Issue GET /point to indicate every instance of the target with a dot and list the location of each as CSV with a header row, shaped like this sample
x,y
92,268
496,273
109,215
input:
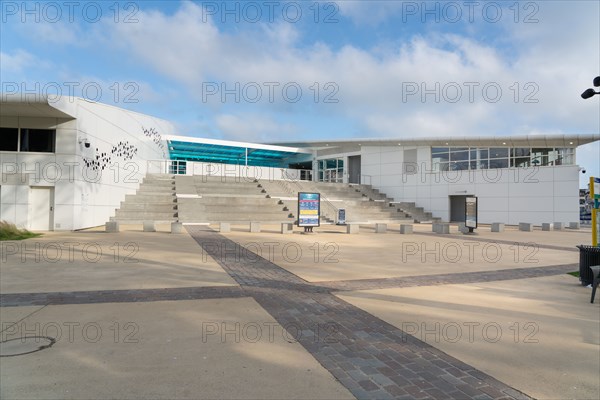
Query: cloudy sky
x,y
276,71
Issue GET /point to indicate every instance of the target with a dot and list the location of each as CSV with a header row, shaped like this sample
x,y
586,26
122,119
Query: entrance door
x,y
457,208
354,169
41,208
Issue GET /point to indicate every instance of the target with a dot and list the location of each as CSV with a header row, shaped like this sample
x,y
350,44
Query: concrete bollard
x,y
462,228
406,229
525,227
441,228
254,227
352,228
112,227
380,228
497,227
149,226
224,227
574,225
558,226
176,227
547,226
287,227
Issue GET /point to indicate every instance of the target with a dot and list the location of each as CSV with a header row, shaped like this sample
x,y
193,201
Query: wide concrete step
x,y
158,182
140,221
145,198
230,193
158,207
150,215
238,208
156,192
228,201
229,217
146,187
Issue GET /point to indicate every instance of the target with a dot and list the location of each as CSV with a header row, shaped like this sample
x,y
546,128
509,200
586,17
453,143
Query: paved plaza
x,y
327,315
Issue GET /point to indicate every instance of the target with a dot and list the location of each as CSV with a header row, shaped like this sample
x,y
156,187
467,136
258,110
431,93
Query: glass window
x,y
9,138
483,154
520,152
539,157
473,154
565,156
520,162
460,166
459,156
437,150
499,163
453,149
38,140
442,166
498,152
440,158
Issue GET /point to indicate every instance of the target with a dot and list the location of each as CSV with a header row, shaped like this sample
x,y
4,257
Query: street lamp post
x,y
591,92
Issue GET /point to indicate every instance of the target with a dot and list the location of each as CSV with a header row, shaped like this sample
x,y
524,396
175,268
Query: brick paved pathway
x,y
449,279
371,358
119,296
476,238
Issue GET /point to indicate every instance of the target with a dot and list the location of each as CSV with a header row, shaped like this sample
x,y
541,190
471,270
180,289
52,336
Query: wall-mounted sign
x,y
309,209
471,212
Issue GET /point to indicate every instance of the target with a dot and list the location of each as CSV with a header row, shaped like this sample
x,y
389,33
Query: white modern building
x,y
67,164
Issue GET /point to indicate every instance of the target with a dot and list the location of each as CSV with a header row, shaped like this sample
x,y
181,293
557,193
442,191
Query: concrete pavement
x,y
249,281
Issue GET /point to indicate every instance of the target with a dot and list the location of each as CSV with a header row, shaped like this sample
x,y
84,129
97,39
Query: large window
x,y
9,139
28,140
331,170
38,140
463,158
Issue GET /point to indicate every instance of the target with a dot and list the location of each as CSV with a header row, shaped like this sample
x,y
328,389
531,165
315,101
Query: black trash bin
x,y
588,256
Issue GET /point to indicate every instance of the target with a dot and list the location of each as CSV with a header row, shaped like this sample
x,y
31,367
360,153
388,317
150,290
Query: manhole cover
x,y
26,345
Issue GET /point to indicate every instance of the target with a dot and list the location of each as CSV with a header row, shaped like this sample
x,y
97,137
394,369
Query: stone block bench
x,y
497,227
406,229
525,227
441,227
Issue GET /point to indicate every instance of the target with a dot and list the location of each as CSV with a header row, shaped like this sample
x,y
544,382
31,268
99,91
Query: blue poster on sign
x,y
309,209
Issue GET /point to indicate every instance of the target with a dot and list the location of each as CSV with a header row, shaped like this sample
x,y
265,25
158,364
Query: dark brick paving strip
x,y
477,238
371,358
119,296
449,279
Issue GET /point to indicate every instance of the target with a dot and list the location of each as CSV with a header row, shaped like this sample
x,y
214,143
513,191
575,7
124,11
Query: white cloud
x,y
551,61
16,62
253,128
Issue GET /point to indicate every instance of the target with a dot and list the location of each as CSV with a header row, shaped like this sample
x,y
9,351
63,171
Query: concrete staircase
x,y
202,199
155,200
216,199
417,213
353,198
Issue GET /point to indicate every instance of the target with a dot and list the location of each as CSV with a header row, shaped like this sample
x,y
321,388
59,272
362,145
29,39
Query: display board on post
x,y
309,210
341,217
471,213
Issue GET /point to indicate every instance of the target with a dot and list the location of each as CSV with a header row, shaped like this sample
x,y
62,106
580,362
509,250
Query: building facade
x,y
67,164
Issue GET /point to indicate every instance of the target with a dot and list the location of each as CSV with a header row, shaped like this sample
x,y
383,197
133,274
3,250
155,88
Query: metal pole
x,y
594,213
